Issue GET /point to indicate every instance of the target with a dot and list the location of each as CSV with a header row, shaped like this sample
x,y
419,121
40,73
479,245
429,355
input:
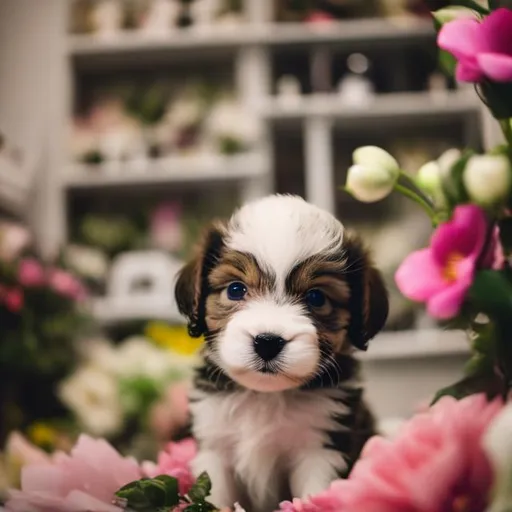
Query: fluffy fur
x,y
270,429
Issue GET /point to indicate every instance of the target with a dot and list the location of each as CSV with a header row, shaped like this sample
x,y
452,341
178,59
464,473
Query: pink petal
x,y
419,276
496,66
496,29
464,233
462,38
467,70
78,501
447,303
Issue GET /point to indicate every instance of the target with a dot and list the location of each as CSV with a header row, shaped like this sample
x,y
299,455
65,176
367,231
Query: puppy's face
x,y
279,292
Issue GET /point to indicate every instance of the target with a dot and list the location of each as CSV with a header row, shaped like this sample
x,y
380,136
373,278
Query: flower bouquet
x,y
455,456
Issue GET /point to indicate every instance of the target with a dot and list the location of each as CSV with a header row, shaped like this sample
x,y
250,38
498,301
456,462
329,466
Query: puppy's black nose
x,y
268,345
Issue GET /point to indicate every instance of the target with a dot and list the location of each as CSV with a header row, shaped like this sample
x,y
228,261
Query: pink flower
x,y
19,453
84,480
66,284
441,274
30,273
435,464
172,412
13,300
482,48
166,227
175,461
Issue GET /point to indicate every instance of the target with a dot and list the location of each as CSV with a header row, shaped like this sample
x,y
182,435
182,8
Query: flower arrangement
x,y
456,455
131,124
123,391
41,310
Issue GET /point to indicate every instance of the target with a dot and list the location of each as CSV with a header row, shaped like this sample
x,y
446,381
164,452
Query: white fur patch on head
x,y
283,230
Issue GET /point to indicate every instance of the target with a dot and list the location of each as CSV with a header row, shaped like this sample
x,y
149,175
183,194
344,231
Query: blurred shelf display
x,y
407,31
384,106
417,344
168,170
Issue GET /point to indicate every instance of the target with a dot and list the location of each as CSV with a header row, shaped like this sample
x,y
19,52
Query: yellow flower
x,y
42,434
172,337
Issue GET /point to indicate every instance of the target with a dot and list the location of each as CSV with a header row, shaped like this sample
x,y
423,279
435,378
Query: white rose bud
x,y
369,184
487,179
376,158
497,443
452,13
429,180
447,160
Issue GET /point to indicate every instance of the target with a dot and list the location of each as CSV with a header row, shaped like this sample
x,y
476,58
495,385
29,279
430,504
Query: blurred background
x,y
126,125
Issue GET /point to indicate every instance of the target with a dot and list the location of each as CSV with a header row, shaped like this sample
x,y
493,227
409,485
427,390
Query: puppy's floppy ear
x,y
369,303
192,285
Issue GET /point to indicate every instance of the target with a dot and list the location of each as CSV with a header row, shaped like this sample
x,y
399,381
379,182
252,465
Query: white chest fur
x,y
251,443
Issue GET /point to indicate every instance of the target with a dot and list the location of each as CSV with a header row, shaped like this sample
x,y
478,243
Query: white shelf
x,y
383,106
161,171
417,344
378,30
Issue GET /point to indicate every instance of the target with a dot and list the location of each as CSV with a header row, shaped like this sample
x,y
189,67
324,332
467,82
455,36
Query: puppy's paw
x,y
223,488
314,471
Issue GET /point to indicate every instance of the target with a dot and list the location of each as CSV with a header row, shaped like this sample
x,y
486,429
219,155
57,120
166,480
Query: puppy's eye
x,y
315,299
236,291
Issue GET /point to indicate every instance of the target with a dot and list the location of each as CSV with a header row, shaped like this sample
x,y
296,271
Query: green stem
x,y
411,183
407,192
506,128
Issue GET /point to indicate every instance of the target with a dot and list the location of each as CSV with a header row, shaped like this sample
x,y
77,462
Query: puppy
x,y
283,296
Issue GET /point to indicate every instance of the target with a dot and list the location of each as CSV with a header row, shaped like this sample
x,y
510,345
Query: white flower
x,y
429,179
374,174
93,396
88,262
373,156
447,160
229,121
487,179
453,13
497,443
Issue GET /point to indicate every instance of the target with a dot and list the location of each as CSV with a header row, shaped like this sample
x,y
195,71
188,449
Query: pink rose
x,y
31,273
13,239
66,284
483,48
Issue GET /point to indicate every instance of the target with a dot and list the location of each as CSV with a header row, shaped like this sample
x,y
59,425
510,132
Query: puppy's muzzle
x,y
268,346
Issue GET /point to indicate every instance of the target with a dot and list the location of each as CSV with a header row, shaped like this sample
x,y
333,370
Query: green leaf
x,y
201,489
472,4
453,186
485,382
447,63
492,294
148,495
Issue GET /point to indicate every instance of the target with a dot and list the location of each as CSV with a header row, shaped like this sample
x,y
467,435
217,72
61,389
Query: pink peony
x,y
13,300
442,274
175,461
84,480
436,463
66,284
483,48
30,273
